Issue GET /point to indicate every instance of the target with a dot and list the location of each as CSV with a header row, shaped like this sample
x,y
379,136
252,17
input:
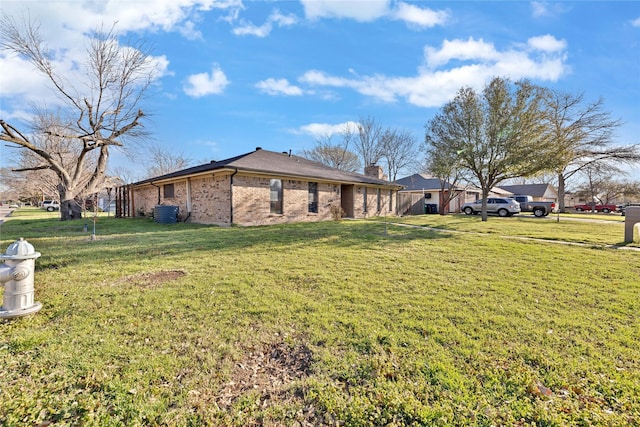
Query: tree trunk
x,y
485,195
70,209
561,206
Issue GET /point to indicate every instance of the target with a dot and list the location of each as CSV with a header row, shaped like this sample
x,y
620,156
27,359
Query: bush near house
x,y
341,322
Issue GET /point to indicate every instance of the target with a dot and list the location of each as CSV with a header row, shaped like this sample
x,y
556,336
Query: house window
x,y
364,200
390,200
276,196
313,197
379,201
168,191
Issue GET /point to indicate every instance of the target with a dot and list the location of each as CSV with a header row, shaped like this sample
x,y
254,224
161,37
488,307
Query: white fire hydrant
x,y
16,274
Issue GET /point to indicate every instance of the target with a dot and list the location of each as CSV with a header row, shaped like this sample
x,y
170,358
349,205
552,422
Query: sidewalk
x,y
5,212
530,239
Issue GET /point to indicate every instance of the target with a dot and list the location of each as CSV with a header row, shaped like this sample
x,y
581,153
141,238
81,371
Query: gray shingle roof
x,y
419,182
271,162
533,190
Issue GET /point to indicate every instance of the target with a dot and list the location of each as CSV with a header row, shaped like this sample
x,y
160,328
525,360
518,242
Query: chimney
x,y
374,171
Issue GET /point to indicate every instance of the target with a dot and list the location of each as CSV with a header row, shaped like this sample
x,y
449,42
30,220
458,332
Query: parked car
x,y
14,206
502,206
622,208
50,205
595,207
539,209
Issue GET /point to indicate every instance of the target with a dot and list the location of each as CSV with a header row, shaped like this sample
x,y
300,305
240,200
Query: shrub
x,y
337,213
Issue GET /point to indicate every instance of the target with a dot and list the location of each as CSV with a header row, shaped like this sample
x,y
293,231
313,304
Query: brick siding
x,y
211,200
372,202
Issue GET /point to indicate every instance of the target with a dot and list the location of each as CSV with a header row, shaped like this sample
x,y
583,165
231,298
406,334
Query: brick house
x,y
262,187
422,193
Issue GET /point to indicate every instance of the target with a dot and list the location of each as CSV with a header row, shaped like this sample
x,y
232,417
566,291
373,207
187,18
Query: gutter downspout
x,y
231,197
188,199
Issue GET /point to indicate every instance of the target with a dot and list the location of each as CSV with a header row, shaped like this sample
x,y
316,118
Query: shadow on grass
x,y
66,244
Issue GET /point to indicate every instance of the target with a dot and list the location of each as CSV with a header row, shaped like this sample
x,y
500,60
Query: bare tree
x,y
598,187
159,161
12,185
45,131
334,155
583,133
127,175
399,149
619,192
31,185
496,135
368,141
96,115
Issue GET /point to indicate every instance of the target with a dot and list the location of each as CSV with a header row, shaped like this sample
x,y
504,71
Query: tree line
x,y
509,130
366,143
521,130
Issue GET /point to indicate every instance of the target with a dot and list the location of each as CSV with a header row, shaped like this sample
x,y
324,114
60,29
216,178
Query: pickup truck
x,y
597,208
539,209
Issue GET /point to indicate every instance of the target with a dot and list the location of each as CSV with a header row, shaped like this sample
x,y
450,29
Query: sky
x,y
234,75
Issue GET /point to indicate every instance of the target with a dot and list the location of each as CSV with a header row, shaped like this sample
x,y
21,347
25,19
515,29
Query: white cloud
x,y
65,25
545,9
463,50
359,10
253,30
418,17
319,78
25,86
539,9
265,29
282,20
87,15
188,31
20,79
16,115
279,87
476,62
371,10
547,43
636,22
321,130
202,84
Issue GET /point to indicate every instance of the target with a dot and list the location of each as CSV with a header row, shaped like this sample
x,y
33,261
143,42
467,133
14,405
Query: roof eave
x,y
230,169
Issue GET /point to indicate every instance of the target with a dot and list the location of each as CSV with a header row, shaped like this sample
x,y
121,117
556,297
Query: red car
x,y
594,207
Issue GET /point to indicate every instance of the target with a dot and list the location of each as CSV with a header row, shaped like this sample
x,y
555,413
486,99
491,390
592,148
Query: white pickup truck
x,y
539,209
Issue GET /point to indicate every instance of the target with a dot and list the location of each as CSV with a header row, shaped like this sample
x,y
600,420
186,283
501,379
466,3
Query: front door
x,y
346,200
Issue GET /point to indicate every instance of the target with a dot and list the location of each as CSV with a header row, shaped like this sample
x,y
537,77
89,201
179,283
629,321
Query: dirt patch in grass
x,y
268,371
151,280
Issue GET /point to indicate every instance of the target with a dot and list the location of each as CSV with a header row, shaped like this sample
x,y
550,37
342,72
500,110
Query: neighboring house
x,y
496,192
539,192
423,194
262,187
570,200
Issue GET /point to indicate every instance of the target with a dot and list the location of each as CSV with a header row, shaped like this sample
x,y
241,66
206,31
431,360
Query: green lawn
x,y
351,323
